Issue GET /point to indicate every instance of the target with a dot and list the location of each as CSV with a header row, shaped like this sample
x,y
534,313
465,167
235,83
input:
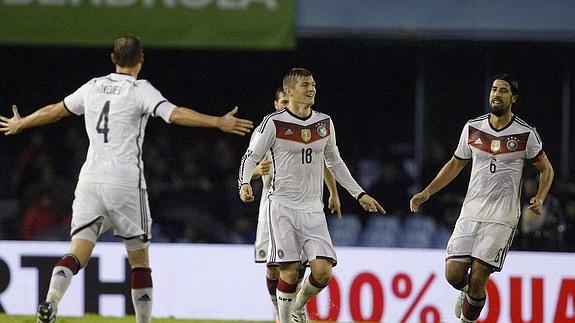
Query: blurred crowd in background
x,y
368,87
192,186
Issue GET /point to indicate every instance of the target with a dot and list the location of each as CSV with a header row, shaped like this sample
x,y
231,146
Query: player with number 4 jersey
x,y
111,191
116,108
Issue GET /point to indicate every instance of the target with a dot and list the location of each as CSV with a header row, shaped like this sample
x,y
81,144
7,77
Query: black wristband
x,y
360,195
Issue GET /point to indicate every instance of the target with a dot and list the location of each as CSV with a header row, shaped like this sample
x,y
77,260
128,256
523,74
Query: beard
x,y
499,111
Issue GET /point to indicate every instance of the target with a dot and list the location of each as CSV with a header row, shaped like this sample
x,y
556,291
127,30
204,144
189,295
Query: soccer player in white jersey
x,y
111,190
299,140
262,233
498,144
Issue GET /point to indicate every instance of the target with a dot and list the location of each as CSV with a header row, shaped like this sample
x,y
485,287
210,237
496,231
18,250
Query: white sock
x,y
285,302
142,299
275,304
306,292
464,320
61,279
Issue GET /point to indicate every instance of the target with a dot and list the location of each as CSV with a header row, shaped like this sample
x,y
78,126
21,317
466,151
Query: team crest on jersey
x,y
495,145
512,144
321,130
306,135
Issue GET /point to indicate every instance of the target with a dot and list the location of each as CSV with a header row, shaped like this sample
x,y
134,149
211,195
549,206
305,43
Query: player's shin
x,y
62,275
309,288
142,294
472,307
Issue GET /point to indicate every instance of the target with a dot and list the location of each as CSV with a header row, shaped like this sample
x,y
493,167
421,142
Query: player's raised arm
x,y
48,114
226,123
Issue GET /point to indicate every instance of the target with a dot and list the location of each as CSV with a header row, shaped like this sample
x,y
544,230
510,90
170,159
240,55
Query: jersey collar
x,y
505,127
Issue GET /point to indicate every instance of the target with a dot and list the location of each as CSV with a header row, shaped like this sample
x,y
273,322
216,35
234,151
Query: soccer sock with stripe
x,y
472,307
285,297
62,275
272,285
142,294
309,288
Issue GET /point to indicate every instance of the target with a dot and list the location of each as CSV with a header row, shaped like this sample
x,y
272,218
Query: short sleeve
x,y
154,103
534,149
463,151
74,102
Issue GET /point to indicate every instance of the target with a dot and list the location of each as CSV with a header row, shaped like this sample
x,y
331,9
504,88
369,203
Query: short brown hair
x,y
127,51
291,76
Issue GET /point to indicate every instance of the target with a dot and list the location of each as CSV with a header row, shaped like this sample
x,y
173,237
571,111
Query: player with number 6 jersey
x,y
498,144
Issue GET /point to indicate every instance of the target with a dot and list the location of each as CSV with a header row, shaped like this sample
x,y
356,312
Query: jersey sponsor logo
x,y
478,141
307,133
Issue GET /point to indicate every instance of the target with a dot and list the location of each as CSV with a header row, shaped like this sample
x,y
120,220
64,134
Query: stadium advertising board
x,y
197,281
259,24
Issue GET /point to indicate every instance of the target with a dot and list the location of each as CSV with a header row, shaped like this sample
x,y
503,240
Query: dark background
x,y
366,86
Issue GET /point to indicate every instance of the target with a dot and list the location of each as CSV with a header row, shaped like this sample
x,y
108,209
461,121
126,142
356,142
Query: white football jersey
x,y
298,148
116,109
498,157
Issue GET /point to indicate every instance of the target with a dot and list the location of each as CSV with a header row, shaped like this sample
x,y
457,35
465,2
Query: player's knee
x,y
322,275
138,258
273,272
289,272
456,278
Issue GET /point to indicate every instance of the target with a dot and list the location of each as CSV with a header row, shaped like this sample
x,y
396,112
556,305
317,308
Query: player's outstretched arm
x,y
48,114
546,174
333,204
449,171
369,204
226,123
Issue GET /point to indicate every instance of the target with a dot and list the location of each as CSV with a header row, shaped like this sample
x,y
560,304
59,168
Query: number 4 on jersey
x,y
104,118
